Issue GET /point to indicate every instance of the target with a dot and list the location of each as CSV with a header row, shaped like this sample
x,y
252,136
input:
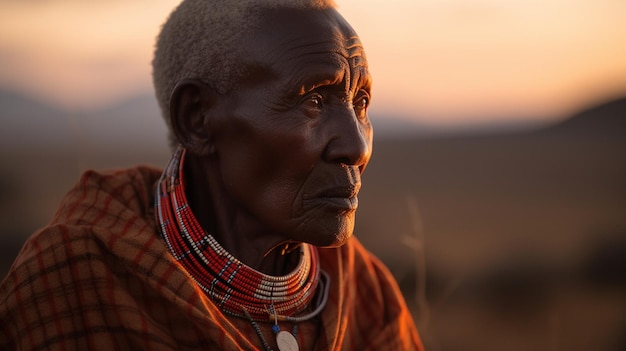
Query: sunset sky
x,y
439,61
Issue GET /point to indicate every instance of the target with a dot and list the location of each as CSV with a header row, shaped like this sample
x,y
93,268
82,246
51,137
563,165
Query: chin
x,y
340,240
323,229
332,238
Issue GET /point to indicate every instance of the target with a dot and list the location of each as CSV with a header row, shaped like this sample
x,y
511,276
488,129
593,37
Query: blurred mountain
x,y
606,120
389,127
134,122
403,127
27,121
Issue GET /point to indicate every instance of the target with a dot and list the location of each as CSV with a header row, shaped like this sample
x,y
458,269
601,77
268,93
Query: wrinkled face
x,y
297,135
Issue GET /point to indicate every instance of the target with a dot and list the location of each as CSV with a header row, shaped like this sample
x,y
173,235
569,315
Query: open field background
x,y
502,240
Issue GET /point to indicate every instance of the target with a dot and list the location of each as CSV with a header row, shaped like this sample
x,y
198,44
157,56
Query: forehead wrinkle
x,y
361,80
337,67
329,74
353,42
320,48
341,57
335,61
354,46
358,64
337,42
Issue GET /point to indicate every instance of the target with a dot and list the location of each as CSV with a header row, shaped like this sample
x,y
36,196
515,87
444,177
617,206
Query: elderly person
x,y
244,241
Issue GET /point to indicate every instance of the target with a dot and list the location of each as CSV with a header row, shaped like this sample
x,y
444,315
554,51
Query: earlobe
x,y
190,105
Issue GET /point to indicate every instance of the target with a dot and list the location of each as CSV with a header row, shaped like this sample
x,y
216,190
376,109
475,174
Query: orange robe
x,y
99,277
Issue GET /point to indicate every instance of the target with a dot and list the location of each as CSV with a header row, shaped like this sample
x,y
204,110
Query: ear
x,y
191,104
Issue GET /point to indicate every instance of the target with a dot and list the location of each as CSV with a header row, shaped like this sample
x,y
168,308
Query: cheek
x,y
281,192
268,179
265,163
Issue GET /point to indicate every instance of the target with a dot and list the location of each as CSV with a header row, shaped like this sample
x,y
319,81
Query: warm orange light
x,y
450,60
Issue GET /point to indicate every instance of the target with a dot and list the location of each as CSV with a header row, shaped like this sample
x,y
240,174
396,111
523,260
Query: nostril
x,y
349,150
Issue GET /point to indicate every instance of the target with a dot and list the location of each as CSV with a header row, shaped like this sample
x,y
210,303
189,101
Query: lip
x,y
340,198
336,203
346,192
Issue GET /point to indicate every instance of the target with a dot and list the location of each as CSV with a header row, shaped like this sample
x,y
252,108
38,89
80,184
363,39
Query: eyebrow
x,y
323,79
309,76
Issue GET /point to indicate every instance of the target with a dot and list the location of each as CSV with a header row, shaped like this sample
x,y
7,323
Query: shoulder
x,y
105,216
100,193
102,249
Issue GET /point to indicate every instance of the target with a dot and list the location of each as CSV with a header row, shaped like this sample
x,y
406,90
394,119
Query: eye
x,y
312,104
360,105
313,101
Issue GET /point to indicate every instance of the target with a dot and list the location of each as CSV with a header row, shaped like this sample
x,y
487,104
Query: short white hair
x,y
201,39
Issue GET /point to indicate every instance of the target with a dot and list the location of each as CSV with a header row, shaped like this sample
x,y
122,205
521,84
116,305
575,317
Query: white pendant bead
x,y
286,341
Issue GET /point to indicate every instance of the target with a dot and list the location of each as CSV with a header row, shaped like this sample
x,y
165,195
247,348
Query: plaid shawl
x,y
99,277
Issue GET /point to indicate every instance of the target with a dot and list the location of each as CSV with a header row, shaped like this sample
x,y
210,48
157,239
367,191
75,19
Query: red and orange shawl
x,y
99,277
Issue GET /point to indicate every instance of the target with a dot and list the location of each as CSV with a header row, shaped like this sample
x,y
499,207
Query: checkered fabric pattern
x,y
99,277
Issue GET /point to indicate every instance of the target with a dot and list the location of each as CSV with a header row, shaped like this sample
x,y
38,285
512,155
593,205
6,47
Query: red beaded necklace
x,y
235,288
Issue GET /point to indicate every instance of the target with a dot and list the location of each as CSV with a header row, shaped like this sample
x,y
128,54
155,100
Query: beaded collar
x,y
236,288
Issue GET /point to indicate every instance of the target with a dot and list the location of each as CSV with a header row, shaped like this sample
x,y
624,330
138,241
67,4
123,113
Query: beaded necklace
x,y
235,288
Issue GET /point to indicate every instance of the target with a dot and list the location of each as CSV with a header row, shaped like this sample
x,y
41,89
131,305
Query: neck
x,y
246,292
236,231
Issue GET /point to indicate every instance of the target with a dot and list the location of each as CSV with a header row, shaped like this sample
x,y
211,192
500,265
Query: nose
x,y
351,139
